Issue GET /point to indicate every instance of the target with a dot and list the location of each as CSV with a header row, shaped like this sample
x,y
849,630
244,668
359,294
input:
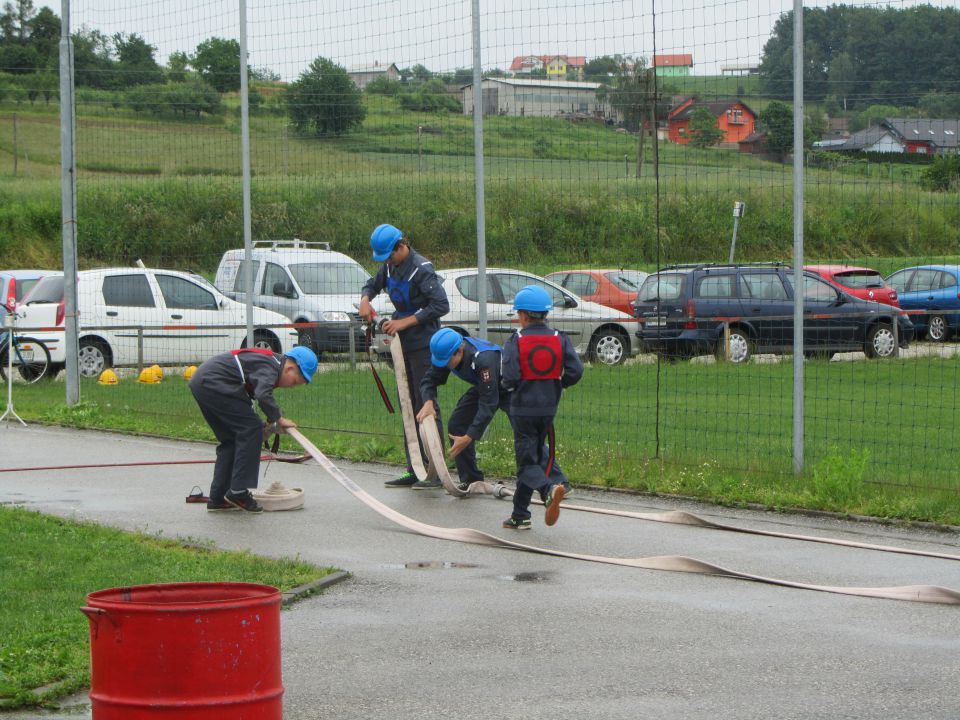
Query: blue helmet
x,y
444,345
383,240
305,359
533,298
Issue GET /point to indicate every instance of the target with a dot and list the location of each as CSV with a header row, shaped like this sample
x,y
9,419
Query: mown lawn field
x,y
50,565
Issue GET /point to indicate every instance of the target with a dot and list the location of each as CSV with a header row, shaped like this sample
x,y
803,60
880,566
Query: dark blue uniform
x,y
414,289
480,367
225,387
538,363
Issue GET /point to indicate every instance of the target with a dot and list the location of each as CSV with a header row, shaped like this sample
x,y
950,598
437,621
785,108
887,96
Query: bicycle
x,y
30,356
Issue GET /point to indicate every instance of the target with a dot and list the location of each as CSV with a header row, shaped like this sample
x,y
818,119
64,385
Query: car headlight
x,y
334,316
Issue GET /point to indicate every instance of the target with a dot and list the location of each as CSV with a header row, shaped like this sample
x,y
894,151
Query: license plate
x,y
655,322
26,352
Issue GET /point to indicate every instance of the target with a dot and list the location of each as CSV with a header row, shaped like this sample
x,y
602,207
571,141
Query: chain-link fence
x,y
639,156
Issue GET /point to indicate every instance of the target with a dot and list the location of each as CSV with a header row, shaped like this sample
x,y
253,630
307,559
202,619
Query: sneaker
x,y
552,504
434,484
244,501
465,486
220,506
511,523
405,480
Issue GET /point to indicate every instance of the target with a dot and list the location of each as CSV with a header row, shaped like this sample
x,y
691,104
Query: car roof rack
x,y
295,244
699,266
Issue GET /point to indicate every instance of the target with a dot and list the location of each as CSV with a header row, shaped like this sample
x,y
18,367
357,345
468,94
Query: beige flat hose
x,y
406,412
674,563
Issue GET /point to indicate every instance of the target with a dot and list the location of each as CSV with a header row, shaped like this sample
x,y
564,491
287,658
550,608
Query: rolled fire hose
x,y
673,563
406,411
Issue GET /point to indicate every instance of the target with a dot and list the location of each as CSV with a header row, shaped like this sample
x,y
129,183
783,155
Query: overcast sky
x,y
286,35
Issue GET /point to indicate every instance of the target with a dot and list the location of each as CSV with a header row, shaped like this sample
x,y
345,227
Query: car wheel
x,y
306,338
264,340
740,347
937,328
880,342
93,358
609,346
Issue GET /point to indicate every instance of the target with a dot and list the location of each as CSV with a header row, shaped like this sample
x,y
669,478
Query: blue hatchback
x,y
935,289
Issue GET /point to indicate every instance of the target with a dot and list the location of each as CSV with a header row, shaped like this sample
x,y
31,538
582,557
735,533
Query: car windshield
x,y
48,290
628,280
329,278
662,286
860,279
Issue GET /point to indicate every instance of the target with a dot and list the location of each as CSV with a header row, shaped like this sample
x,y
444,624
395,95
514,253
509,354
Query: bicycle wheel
x,y
31,359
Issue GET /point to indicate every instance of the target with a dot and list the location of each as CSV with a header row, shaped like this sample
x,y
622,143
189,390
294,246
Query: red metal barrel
x,y
190,651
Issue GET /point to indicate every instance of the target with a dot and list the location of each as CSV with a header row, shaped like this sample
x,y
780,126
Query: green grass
x,y
49,566
724,431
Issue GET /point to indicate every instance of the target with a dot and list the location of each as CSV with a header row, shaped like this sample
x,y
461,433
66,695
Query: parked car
x,y
615,289
934,290
682,310
179,312
598,332
305,281
15,284
861,282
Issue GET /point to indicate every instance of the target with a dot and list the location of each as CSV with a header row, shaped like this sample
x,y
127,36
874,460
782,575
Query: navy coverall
x,y
480,366
414,289
225,387
538,363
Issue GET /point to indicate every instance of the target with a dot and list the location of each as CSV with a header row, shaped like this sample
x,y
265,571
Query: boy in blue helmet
x,y
225,387
538,363
420,301
478,363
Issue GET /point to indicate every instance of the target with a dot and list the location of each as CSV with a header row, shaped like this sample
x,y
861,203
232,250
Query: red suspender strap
x,y
541,357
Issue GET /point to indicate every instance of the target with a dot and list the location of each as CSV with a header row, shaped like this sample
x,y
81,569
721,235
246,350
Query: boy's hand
x,y
429,409
459,443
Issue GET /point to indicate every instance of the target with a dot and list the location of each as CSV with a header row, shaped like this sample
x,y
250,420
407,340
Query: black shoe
x,y
511,523
434,484
244,501
406,480
220,506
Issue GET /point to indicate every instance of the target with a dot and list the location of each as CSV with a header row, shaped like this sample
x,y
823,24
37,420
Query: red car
x,y
615,289
861,282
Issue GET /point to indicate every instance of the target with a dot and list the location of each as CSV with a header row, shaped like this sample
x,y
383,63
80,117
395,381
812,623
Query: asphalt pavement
x,y
428,628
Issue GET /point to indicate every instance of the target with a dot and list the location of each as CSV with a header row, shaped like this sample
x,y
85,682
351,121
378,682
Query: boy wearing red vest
x,y
538,363
225,387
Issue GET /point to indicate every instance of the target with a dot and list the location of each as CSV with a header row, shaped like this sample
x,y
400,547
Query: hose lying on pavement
x,y
674,563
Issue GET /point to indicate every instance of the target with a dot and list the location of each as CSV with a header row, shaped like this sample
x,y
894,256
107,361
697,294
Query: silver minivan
x,y
306,281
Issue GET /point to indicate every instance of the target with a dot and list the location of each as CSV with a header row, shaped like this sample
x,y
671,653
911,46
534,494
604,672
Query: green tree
x,y
15,21
420,73
135,62
93,63
841,77
18,59
177,66
873,115
218,63
602,68
189,99
777,121
383,86
704,130
45,37
634,94
431,96
324,100
941,105
943,175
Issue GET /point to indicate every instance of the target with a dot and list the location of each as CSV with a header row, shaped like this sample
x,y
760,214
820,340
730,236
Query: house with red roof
x,y
672,65
558,67
736,120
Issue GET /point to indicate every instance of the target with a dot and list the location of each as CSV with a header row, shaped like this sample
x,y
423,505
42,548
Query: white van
x,y
141,315
305,281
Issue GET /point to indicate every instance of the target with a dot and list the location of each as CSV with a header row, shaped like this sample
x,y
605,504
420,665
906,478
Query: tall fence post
x,y
798,389
68,208
478,178
245,162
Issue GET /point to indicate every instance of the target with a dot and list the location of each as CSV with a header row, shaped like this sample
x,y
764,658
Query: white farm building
x,y
537,98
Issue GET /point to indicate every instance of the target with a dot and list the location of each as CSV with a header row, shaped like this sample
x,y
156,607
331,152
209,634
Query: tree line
x,y
855,57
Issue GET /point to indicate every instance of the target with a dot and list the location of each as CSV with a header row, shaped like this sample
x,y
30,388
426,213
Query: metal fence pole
x,y
139,350
798,409
68,210
478,179
245,155
353,346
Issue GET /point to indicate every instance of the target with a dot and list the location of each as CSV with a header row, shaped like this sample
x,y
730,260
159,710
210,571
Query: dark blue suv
x,y
684,311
